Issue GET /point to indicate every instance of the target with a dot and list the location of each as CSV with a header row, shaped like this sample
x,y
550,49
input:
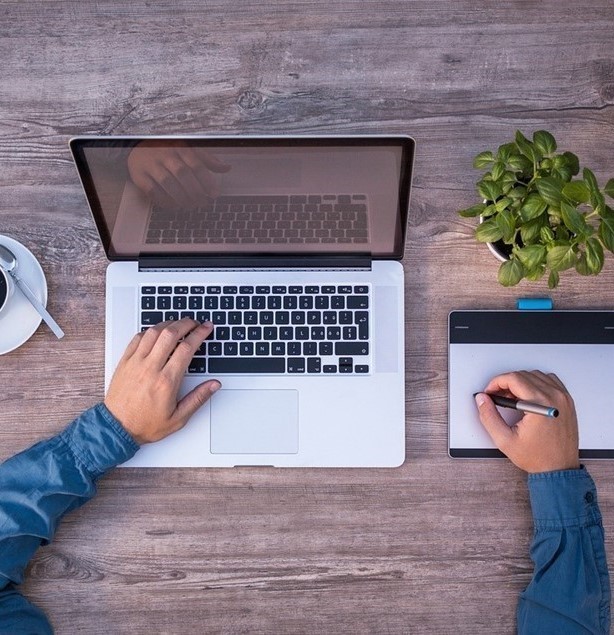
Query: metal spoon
x,y
8,262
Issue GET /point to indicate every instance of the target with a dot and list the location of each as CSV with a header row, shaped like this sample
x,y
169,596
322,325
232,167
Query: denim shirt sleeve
x,y
570,589
40,485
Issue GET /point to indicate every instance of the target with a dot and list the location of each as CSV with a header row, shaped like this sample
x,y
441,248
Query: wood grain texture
x,y
436,546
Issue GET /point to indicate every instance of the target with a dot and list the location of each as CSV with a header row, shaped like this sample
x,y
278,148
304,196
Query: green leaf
x,y
606,229
573,220
520,163
483,159
531,256
505,222
510,272
472,211
590,180
544,142
550,189
502,203
582,266
489,210
546,234
488,232
598,202
505,151
530,232
553,280
594,255
497,170
577,192
533,207
489,190
520,191
609,188
572,162
527,148
561,257
535,274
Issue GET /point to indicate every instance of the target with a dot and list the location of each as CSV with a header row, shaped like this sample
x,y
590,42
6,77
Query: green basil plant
x,y
548,220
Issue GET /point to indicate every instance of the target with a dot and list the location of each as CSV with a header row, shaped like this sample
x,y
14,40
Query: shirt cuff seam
x,y
117,426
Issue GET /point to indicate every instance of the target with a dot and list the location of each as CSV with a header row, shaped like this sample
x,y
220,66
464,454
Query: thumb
x,y
494,423
196,398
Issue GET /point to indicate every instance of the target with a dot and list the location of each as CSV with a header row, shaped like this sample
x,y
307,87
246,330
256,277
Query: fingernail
x,y
480,399
215,386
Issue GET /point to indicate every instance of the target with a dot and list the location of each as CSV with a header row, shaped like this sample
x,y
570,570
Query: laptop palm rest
x,y
254,422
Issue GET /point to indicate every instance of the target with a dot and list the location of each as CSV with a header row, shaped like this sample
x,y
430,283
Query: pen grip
x,y
504,402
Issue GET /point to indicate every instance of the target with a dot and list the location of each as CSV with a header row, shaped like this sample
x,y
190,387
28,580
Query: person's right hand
x,y
536,443
176,174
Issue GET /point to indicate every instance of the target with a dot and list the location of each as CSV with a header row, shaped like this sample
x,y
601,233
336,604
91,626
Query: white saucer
x,y
19,319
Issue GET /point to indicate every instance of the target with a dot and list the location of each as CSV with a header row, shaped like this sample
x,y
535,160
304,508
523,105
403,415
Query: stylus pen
x,y
525,406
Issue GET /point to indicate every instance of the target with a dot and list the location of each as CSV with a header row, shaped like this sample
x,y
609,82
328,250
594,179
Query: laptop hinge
x,y
309,263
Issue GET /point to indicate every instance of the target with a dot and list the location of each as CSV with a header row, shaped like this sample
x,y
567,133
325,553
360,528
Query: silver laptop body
x,y
292,247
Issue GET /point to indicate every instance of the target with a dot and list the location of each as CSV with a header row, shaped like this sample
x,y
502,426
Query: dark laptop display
x,y
228,196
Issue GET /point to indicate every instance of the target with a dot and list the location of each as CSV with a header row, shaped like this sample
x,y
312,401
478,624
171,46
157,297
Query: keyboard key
x,y
148,302
361,289
279,290
358,302
258,302
290,302
314,365
345,317
295,290
310,348
326,348
318,333
164,302
221,365
264,289
278,348
246,348
344,289
266,317
238,333
215,348
231,348
286,333
227,302
361,368
235,317
187,314
314,317
195,303
165,290
270,333
329,317
274,302
322,302
197,365
181,290
282,317
312,290
301,332
230,290
254,333
203,316
148,290
351,348
212,303
197,290
180,302
149,318
294,348
329,368
297,317
218,317
349,333
263,348
246,290
222,333
296,365
242,302
212,290
171,316
328,289
337,302
333,333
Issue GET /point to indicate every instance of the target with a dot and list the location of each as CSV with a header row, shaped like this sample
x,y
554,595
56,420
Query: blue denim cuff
x,y
566,498
99,441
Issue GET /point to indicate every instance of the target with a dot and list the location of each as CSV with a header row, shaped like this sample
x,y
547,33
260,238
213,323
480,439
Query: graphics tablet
x,y
578,346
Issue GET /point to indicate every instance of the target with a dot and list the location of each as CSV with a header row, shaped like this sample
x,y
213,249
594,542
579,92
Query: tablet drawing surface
x,y
577,346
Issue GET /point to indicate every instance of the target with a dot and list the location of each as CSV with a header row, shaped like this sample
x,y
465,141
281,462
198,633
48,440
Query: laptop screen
x,y
191,196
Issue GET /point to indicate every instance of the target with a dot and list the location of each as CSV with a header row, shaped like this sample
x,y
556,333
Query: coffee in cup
x,y
6,287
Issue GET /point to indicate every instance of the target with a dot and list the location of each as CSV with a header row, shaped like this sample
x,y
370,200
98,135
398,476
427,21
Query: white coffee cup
x,y
6,289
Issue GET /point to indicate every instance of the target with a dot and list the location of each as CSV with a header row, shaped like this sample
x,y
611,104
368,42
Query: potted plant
x,y
543,218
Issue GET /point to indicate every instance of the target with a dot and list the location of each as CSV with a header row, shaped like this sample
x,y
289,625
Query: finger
x,y
211,161
494,423
207,183
168,340
521,384
557,381
196,398
185,170
183,353
132,347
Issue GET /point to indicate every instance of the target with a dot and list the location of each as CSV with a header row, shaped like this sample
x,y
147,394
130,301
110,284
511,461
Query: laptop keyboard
x,y
307,219
314,329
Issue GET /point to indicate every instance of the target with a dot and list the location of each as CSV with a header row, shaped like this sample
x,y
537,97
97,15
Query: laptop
x,y
291,246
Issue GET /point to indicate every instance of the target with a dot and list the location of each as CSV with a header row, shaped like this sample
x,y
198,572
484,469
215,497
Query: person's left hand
x,y
144,388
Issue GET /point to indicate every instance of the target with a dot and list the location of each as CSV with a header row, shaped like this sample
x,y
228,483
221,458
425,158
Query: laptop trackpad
x,y
254,422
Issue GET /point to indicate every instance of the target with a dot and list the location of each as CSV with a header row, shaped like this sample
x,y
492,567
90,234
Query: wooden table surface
x,y
436,546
